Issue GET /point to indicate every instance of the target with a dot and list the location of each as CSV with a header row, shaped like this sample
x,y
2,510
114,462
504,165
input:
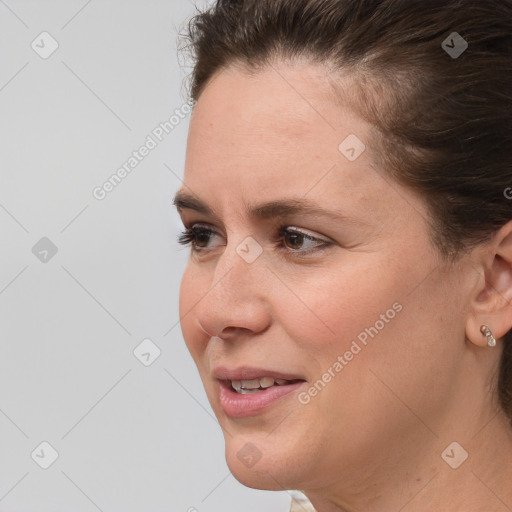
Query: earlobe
x,y
491,340
481,334
491,308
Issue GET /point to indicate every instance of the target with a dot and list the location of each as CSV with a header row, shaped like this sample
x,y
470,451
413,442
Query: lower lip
x,y
240,406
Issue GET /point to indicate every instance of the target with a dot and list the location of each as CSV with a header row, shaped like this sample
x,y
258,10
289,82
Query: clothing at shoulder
x,y
302,506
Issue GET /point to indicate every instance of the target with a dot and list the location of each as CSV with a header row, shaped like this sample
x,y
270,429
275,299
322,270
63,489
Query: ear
x,y
491,303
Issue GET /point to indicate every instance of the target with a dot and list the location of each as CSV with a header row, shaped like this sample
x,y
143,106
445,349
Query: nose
x,y
237,301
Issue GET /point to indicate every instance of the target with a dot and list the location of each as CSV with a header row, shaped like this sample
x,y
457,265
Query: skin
x,y
372,438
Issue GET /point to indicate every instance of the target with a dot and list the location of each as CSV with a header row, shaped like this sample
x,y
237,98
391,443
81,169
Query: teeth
x,y
266,382
248,391
245,387
251,384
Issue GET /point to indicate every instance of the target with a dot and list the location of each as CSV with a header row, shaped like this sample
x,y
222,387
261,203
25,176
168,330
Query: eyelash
x,y
189,237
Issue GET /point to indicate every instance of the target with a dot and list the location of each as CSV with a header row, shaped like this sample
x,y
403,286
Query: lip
x,y
250,372
236,405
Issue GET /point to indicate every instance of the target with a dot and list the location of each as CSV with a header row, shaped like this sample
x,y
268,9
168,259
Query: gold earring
x,y
491,341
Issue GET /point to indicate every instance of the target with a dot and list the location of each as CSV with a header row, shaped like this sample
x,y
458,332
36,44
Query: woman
x,y
348,297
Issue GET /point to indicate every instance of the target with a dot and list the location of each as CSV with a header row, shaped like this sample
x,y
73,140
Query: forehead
x,y
275,94
277,123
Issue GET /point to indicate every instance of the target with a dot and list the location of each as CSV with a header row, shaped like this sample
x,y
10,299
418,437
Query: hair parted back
x,y
442,125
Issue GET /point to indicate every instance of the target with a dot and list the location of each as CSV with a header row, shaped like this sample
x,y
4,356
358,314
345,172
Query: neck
x,y
427,472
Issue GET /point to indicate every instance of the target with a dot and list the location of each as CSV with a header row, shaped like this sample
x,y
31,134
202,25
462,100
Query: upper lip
x,y
249,373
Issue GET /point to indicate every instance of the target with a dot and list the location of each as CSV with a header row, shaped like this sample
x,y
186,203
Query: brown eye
x,y
289,240
294,239
197,236
202,237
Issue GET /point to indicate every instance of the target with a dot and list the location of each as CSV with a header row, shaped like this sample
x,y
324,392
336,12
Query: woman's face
x,y
359,313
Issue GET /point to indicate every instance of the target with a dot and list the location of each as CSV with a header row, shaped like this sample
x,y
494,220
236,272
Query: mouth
x,y
247,387
251,391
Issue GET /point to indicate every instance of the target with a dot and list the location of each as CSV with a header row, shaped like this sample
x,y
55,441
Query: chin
x,y
257,464
266,477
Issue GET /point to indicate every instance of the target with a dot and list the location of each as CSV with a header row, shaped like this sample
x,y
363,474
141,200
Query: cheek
x,y
192,290
332,307
358,319
392,336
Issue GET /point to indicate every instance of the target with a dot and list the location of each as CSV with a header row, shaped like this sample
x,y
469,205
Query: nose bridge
x,y
237,294
239,269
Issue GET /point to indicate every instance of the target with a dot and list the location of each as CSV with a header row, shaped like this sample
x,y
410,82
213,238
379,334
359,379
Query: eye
x,y
195,236
290,240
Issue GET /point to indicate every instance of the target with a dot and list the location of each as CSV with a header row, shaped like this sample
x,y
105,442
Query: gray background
x,y
129,437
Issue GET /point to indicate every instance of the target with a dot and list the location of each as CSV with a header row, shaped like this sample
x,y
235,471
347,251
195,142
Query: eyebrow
x,y
280,208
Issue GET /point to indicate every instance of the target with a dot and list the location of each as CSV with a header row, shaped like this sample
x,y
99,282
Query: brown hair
x,y
442,121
